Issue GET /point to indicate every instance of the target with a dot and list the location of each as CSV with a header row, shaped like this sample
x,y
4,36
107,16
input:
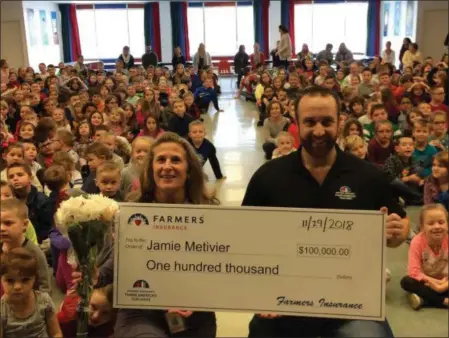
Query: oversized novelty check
x,y
300,262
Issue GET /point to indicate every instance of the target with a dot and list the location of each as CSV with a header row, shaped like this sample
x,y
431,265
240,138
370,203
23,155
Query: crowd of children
x,y
68,132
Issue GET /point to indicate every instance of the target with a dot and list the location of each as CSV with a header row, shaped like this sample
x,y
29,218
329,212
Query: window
x,y
319,24
195,21
245,27
86,27
221,28
102,37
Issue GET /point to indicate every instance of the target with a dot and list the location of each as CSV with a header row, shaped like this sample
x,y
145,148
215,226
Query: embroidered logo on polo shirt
x,y
345,193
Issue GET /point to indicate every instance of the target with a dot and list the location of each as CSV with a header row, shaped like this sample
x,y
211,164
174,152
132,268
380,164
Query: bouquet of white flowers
x,y
85,220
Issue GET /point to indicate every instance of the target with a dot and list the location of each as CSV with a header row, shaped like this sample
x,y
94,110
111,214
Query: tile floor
x,y
239,148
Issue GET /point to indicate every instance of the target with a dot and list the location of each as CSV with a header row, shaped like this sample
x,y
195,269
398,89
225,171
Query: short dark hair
x,y
55,177
98,149
400,137
317,91
377,106
283,29
22,165
19,260
406,78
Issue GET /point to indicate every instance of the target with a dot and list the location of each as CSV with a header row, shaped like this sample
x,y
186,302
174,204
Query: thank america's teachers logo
x,y
138,220
140,292
143,284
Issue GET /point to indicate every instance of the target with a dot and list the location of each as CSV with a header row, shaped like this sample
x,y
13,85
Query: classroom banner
x,y
397,18
409,18
386,18
54,28
43,22
31,27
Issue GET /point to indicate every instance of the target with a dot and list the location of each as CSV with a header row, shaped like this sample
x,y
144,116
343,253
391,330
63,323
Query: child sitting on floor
x,y
205,95
25,312
439,138
381,146
131,173
179,121
424,152
436,185
40,210
101,313
110,140
15,214
107,180
96,154
284,144
273,125
6,193
404,172
203,147
356,146
427,279
57,180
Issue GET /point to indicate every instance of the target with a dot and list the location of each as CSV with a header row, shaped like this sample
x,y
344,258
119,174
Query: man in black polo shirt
x,y
319,175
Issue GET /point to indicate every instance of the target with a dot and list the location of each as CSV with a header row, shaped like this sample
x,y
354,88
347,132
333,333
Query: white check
x,y
300,262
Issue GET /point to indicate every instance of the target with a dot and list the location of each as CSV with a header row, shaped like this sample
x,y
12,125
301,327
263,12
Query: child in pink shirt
x,y
427,279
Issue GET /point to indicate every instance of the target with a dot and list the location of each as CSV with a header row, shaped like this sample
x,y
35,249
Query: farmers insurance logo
x,y
138,220
345,193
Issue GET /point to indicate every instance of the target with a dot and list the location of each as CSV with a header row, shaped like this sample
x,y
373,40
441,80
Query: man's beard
x,y
320,150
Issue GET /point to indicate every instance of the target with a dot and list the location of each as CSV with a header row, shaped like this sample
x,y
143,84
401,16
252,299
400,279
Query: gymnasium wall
x,y
13,39
43,32
432,27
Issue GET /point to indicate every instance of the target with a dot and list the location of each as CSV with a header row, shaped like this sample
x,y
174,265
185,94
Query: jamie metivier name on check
x,y
304,262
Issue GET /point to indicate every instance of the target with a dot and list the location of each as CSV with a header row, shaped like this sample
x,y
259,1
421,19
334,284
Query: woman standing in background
x,y
405,44
201,58
388,55
178,58
241,61
285,47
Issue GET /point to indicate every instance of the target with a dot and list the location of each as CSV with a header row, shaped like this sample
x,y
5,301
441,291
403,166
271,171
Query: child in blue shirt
x,y
424,152
205,95
203,147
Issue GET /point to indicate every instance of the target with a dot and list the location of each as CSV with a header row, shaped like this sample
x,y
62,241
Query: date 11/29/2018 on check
x,y
301,262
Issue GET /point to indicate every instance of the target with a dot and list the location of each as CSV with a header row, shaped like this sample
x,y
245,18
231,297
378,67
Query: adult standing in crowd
x,y
412,55
80,67
4,69
257,57
126,58
344,55
178,58
354,71
285,47
241,61
405,45
326,54
304,54
275,56
172,174
310,179
201,59
388,55
149,58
